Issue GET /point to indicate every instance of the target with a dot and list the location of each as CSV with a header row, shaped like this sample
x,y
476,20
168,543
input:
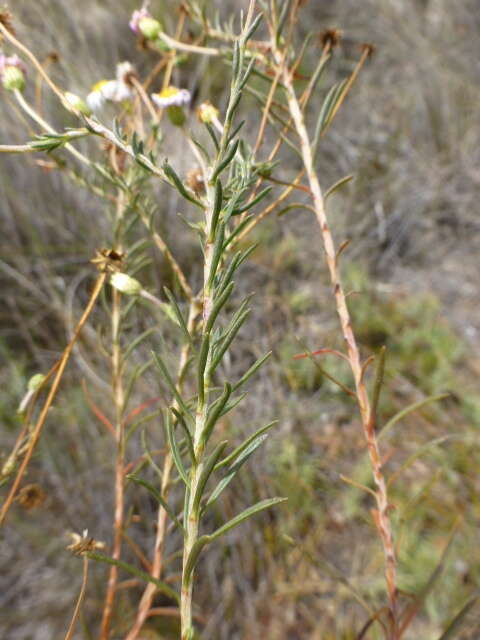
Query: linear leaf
x,y
171,385
234,455
456,623
412,407
232,472
158,497
244,515
161,586
253,369
337,185
206,473
175,451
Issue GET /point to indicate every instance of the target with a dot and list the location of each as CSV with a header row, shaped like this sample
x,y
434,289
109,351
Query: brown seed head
x,y
6,20
196,182
369,48
331,37
31,496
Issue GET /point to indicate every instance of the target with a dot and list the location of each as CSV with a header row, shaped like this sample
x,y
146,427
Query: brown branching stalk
x,y
381,514
81,596
35,436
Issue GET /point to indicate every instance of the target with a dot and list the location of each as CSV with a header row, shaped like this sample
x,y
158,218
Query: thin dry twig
x,y
51,395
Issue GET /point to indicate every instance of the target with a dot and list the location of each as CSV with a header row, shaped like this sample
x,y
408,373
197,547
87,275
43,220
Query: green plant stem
x,y
162,518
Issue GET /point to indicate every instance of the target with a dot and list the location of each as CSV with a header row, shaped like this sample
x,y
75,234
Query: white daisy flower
x,y
171,97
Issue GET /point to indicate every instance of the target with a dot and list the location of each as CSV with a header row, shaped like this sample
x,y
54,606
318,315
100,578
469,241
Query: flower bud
x,y
125,284
149,27
13,78
207,113
78,103
35,382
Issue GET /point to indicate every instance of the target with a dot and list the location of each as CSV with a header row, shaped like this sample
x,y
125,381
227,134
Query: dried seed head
x,y
6,20
31,496
368,48
108,260
83,543
196,182
331,37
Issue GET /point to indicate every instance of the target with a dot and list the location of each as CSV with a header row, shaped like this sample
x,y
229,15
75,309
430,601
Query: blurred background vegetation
x,y
409,134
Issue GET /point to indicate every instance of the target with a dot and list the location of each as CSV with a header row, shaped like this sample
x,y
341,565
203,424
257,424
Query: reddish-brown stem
x,y
51,395
382,518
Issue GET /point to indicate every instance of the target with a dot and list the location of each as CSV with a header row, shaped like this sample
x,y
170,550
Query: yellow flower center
x,y
98,86
169,92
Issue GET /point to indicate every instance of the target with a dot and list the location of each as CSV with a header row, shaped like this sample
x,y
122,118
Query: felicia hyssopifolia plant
x,y
229,176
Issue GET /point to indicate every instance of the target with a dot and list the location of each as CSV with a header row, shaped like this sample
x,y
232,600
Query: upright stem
x,y
381,514
150,589
193,510
118,400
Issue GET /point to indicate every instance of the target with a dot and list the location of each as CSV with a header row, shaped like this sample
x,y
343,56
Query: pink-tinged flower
x,y
138,15
12,72
113,90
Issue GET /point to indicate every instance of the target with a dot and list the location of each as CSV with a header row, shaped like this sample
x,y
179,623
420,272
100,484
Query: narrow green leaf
x,y
337,185
317,74
253,28
217,254
178,314
206,473
134,344
215,412
188,436
175,451
234,469
241,448
219,303
168,379
194,555
229,155
412,407
247,74
161,586
202,361
377,386
235,132
227,341
213,136
158,497
178,184
238,229
231,404
263,194
244,515
217,207
253,369
412,610
457,622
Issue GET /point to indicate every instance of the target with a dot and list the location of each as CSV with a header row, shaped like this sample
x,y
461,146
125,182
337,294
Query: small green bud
x,y
149,28
35,382
125,284
78,103
13,78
